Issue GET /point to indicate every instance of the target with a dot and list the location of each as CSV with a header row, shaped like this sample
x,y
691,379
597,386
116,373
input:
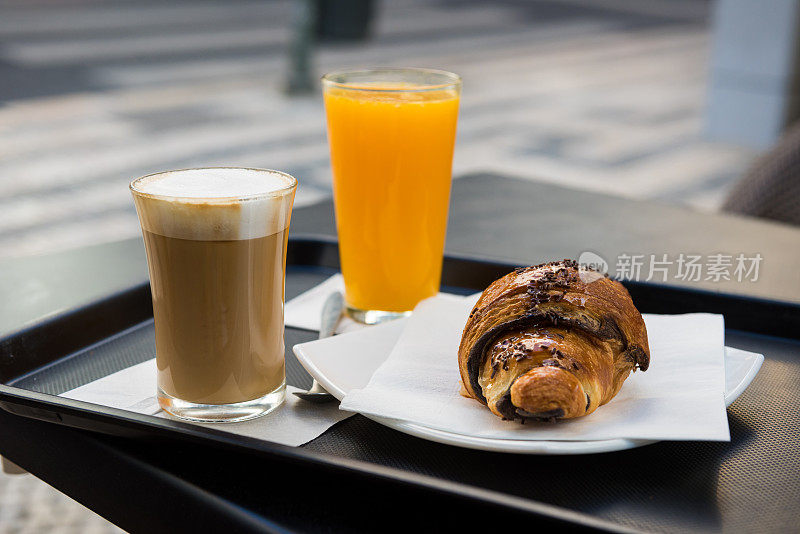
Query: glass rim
x,y
255,196
455,80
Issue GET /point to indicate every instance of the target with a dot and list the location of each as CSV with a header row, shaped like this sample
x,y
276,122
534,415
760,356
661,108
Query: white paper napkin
x,y
294,423
305,310
680,397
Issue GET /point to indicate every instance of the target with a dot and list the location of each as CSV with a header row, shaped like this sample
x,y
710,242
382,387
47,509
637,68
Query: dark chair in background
x,y
771,188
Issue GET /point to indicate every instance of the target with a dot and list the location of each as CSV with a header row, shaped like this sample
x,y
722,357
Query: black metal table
x,y
148,487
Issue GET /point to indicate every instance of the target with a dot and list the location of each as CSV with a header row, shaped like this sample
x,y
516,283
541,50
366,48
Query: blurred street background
x,y
603,95
600,95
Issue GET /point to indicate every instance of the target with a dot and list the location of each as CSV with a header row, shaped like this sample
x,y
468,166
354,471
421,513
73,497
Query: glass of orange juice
x,y
391,134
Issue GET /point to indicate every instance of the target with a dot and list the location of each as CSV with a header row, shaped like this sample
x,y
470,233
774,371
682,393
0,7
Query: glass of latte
x,y
216,251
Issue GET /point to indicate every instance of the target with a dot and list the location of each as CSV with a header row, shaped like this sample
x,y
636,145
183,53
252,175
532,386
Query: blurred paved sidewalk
x,y
604,95
602,99
29,506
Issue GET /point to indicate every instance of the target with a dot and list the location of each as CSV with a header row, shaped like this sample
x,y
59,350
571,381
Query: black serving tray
x,y
751,483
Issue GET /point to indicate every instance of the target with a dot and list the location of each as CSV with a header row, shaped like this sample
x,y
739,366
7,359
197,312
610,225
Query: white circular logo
x,y
591,267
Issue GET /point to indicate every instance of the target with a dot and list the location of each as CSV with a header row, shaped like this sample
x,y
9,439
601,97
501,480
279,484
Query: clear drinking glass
x,y
216,251
391,134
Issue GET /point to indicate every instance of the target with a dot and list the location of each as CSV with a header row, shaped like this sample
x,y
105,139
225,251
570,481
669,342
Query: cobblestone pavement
x,y
600,95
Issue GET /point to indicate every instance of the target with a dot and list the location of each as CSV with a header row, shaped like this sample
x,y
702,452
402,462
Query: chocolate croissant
x,y
553,341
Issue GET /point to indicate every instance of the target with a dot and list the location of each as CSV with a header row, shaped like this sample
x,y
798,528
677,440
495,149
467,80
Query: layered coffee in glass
x,y
216,251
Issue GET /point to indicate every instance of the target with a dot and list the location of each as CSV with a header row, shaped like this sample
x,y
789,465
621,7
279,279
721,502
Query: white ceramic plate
x,y
347,361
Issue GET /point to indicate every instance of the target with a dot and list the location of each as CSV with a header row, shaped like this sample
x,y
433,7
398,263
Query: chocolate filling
x,y
550,415
638,356
506,407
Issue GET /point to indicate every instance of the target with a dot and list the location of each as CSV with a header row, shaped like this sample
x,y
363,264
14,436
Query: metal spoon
x,y
331,312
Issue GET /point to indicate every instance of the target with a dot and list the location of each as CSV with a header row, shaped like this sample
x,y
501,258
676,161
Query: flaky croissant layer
x,y
551,342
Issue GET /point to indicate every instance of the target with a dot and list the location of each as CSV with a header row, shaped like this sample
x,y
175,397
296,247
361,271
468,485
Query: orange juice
x,y
391,152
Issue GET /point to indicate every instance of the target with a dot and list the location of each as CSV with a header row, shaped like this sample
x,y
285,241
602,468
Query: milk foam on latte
x,y
215,204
